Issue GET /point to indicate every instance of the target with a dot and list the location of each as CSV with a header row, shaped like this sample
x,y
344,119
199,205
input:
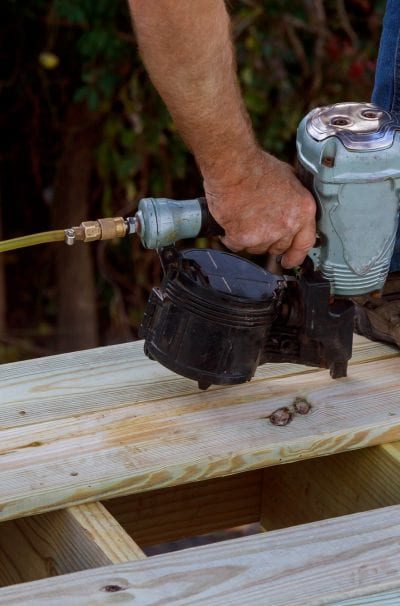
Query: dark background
x,y
84,135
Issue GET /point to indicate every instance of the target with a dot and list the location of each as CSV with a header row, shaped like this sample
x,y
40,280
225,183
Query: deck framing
x,y
103,453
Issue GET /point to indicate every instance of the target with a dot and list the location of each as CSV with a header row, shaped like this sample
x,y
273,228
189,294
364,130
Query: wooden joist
x,y
77,538
98,424
276,497
173,513
331,486
348,558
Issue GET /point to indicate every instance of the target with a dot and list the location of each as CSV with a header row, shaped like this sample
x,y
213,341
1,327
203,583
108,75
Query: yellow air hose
x,y
88,231
57,235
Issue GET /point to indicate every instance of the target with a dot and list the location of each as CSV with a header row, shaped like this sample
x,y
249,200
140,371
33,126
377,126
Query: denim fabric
x,y
386,91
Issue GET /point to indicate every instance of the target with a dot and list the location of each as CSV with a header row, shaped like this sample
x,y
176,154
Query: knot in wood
x,y
302,406
281,417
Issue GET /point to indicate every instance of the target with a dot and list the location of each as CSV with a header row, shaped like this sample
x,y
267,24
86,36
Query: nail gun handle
x,y
209,226
161,222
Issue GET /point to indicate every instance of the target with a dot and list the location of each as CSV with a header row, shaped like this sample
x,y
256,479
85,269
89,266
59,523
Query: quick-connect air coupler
x,y
101,229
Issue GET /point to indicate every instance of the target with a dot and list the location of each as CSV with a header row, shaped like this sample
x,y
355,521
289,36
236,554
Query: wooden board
x,y
331,486
95,380
276,497
59,542
109,422
314,564
194,509
385,598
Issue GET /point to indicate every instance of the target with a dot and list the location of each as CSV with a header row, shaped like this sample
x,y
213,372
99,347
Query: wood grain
x,y
59,542
331,486
313,564
97,426
386,598
55,387
190,510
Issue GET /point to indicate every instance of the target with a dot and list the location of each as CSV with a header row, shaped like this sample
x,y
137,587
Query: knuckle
x,y
302,248
248,241
309,205
241,242
231,244
309,243
288,224
292,261
307,239
279,248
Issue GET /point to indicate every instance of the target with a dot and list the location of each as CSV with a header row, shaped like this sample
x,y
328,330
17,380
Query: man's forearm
x,y
187,49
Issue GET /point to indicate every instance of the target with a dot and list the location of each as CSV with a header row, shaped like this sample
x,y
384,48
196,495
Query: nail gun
x,y
217,316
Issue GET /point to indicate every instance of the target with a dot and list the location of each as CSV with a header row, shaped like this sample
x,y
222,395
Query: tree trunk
x,y
76,290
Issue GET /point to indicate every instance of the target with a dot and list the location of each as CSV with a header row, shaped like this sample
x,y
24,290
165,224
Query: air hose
x,y
87,231
57,235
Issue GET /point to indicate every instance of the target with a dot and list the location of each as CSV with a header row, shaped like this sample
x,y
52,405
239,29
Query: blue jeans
x,y
386,91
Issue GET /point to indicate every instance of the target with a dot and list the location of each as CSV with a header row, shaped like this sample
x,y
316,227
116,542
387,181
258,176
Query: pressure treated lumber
x,y
331,486
386,598
107,423
59,542
95,380
314,564
277,496
194,509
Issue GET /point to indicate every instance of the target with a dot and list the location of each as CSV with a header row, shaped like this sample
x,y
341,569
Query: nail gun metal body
x,y
349,155
216,316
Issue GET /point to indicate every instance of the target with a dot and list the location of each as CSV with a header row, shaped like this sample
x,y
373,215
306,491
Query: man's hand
x,y
266,208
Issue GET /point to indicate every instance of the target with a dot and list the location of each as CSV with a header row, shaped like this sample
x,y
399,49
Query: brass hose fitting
x,y
101,229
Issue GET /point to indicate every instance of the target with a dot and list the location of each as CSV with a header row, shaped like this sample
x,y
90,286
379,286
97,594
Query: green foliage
x,y
292,55
101,49
137,132
295,55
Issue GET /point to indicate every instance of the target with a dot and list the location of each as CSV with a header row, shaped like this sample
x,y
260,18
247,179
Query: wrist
x,y
234,166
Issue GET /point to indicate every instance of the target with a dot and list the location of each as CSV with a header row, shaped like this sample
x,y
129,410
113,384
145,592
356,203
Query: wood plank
x,y
313,564
54,387
332,486
386,598
130,446
100,527
169,514
59,542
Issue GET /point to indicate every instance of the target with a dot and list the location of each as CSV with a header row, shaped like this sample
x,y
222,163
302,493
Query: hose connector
x,y
101,229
